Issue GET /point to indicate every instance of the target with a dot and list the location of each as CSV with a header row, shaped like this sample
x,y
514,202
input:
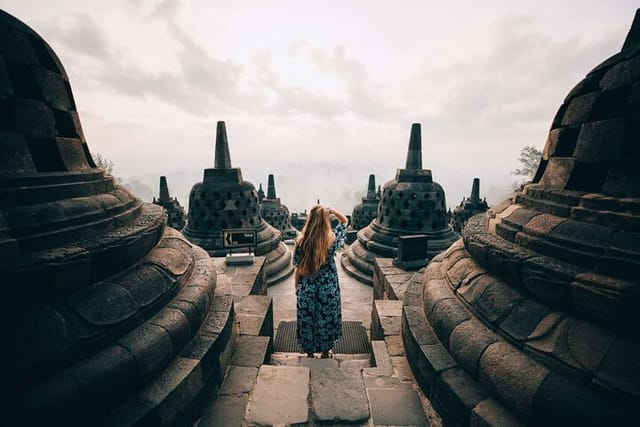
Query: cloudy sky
x,y
322,93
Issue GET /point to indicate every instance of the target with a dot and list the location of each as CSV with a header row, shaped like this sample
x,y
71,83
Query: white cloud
x,y
319,94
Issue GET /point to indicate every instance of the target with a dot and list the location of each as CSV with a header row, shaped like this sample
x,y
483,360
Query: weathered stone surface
x,y
394,345
397,407
315,364
445,316
111,297
238,380
401,368
467,343
456,394
490,413
380,359
411,204
223,200
251,351
512,376
386,319
225,410
337,395
279,396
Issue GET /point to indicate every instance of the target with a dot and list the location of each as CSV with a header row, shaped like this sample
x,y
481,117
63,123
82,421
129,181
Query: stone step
x,y
254,314
396,406
380,359
251,351
338,395
318,364
386,319
279,396
231,404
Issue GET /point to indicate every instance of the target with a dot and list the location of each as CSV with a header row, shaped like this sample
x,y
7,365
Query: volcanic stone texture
x,y
107,316
533,316
411,204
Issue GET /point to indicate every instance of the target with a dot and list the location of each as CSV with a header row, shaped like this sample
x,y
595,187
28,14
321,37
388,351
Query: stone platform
x,y
350,389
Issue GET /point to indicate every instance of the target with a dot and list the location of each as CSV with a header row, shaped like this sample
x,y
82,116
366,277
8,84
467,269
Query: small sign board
x,y
239,238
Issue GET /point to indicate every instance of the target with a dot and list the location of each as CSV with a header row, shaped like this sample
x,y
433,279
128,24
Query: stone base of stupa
x,y
375,241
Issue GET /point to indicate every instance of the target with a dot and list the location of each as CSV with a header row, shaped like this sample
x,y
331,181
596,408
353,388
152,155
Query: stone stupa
x,y
275,213
468,207
534,316
101,302
260,194
411,204
175,211
365,211
223,200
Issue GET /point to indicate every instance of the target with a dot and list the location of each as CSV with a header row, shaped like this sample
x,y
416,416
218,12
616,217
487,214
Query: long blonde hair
x,y
313,241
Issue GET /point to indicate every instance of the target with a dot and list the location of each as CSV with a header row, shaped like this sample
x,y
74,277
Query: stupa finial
x,y
271,188
222,156
164,189
633,36
414,155
371,189
475,191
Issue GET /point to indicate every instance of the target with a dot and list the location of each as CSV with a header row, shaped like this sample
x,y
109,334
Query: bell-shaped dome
x,y
411,204
98,297
537,309
469,207
366,211
223,200
275,213
175,211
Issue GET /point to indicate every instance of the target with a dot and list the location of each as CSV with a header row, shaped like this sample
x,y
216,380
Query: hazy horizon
x,y
321,94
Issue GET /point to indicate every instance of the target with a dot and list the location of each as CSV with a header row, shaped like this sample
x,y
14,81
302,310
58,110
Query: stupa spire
x,y
271,188
164,189
414,155
371,189
475,191
633,36
222,156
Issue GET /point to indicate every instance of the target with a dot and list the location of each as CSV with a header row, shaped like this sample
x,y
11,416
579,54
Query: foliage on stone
x,y
529,160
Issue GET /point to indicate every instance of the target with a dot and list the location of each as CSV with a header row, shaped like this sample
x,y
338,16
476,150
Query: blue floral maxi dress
x,y
319,316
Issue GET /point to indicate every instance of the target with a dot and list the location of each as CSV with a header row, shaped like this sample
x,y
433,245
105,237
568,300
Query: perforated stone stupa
x,y
275,213
468,207
175,211
411,204
100,300
366,211
534,317
260,194
223,200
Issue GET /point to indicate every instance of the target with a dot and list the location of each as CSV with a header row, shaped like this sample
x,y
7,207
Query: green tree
x,y
529,161
103,163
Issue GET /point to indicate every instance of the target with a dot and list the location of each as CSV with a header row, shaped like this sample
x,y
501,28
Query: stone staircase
x,y
297,390
264,388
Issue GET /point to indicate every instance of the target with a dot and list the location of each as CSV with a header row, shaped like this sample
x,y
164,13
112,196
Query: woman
x,y
319,316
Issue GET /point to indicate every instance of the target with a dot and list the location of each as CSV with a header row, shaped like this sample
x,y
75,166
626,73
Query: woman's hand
x,y
343,219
